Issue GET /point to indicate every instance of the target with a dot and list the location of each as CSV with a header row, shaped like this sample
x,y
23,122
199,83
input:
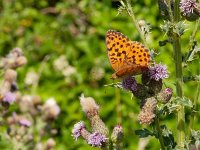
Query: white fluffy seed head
x,y
88,104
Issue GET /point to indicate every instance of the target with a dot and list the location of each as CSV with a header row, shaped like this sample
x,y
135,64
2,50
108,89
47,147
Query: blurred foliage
x,y
48,29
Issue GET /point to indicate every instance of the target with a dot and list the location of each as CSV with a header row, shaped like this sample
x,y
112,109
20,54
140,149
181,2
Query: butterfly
x,y
126,57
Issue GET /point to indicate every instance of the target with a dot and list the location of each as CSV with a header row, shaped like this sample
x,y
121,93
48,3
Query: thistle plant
x,y
26,125
156,100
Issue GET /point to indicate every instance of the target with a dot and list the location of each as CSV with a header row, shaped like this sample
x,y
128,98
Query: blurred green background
x,y
64,42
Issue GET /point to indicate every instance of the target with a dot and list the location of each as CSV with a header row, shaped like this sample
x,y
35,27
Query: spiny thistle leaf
x,y
179,28
195,137
192,55
183,102
191,78
144,133
121,9
168,137
174,105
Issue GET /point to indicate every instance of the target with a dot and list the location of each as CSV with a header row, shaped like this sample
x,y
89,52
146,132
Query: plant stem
x,y
130,12
118,106
179,79
192,38
157,123
194,105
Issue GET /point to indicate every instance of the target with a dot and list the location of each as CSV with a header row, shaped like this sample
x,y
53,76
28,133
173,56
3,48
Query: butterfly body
x,y
126,57
128,69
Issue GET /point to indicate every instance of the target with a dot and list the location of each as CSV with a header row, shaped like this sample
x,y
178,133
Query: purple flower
x,y
129,83
76,131
158,72
9,97
187,6
25,122
168,91
96,139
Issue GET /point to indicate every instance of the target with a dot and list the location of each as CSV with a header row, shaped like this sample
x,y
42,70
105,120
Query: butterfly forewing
x,y
138,54
117,47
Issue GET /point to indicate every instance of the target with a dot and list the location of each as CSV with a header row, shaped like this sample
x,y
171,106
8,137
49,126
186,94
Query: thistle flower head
x,y
147,112
146,118
50,109
16,51
187,7
10,75
25,122
76,131
158,72
97,139
50,144
8,97
129,83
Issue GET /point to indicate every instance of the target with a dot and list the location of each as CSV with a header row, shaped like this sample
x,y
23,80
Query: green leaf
x,y
192,55
143,133
195,134
168,137
174,105
179,28
183,102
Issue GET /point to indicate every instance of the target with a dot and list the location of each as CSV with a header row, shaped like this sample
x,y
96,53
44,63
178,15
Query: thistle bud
x,y
129,83
20,61
10,75
140,92
117,136
165,95
155,86
50,144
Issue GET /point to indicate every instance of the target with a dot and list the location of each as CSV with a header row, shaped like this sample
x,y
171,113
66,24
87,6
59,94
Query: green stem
x,y
194,105
179,83
192,38
118,106
130,12
179,79
157,123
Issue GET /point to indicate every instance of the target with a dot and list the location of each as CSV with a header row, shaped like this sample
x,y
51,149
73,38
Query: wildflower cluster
x,y
99,136
149,92
31,112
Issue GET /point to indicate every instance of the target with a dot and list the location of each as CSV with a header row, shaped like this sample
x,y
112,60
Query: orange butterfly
x,y
126,57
